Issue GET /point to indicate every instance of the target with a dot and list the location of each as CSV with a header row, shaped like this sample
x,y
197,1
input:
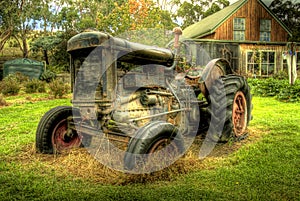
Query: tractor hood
x,y
130,52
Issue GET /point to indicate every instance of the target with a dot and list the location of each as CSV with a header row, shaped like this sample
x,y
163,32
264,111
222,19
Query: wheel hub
x,y
62,138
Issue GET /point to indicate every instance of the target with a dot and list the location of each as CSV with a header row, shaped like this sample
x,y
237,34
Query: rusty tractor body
x,y
144,97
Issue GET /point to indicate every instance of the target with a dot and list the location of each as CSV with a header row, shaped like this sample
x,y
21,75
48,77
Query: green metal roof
x,y
209,24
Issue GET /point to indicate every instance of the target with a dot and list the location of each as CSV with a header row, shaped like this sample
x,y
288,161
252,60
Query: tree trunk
x,y
25,47
45,52
3,38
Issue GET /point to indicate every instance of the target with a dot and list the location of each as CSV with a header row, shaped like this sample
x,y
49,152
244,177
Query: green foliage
x,y
157,37
11,84
281,75
7,21
289,93
45,44
278,88
289,13
193,11
19,20
134,15
53,48
215,7
19,77
35,85
2,101
14,83
58,88
48,76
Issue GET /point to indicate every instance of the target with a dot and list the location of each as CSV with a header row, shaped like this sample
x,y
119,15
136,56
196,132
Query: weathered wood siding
x,y
252,11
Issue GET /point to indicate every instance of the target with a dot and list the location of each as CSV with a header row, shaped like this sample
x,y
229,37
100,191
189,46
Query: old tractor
x,y
144,99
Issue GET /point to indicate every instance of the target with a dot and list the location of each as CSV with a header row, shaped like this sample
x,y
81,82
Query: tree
x,y
8,21
39,21
26,23
134,15
215,7
18,20
289,13
190,12
46,44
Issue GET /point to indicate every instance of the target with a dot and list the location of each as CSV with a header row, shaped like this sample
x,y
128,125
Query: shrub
x,y
20,78
289,93
34,85
10,85
2,101
58,88
278,88
48,76
281,75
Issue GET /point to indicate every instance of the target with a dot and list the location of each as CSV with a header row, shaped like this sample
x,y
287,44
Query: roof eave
x,y
205,34
275,17
213,30
239,42
229,15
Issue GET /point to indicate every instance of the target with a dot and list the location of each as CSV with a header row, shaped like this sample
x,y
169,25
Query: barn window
x,y
253,63
261,63
265,30
239,29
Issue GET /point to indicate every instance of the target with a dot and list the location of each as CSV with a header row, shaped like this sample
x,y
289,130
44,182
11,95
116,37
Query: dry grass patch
x,y
79,164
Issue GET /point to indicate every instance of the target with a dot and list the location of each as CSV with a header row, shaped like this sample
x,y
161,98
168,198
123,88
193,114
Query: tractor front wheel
x,y
53,134
157,137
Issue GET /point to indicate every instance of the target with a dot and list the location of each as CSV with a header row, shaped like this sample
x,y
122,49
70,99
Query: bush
x,y
281,75
2,101
34,85
20,78
58,88
10,85
48,76
278,88
290,93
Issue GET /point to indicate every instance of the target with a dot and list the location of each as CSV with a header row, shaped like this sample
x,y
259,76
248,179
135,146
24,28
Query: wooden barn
x,y
247,34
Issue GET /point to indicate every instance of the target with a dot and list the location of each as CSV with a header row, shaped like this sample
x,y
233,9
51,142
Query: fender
x,y
212,71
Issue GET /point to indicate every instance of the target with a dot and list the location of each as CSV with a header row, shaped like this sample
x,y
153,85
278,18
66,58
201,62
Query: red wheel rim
x,y
239,114
167,147
61,140
160,144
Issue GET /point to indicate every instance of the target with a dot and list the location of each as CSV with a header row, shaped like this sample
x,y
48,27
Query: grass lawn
x,y
265,166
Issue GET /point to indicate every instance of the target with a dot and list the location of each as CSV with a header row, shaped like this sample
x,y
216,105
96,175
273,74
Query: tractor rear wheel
x,y
230,108
53,135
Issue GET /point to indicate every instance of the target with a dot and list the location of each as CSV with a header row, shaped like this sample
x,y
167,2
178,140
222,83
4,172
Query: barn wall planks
x,y
252,11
